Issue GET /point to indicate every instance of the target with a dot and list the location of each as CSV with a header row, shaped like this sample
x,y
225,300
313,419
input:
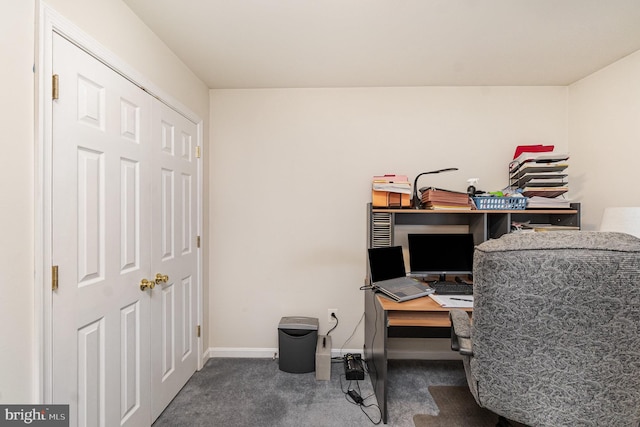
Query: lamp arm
x,y
416,200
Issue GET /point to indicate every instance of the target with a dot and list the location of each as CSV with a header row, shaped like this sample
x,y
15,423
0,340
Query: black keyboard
x,y
452,288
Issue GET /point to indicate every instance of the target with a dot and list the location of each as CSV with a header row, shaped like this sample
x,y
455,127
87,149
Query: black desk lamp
x,y
416,200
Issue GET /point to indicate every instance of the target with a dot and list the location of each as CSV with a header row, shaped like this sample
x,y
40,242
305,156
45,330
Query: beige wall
x,y
291,175
136,45
604,134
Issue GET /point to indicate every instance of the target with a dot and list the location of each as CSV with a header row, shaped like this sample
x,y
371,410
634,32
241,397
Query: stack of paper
x,y
550,156
539,174
543,179
537,202
391,191
392,187
547,192
435,198
453,301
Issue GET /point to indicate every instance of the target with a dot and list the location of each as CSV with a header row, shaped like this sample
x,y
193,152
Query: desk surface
x,y
417,312
418,304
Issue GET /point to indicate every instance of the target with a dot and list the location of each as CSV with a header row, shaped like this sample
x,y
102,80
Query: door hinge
x,y
54,277
198,241
197,151
55,89
198,331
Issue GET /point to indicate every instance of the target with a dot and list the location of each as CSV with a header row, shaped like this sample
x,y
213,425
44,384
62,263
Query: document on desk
x,y
453,301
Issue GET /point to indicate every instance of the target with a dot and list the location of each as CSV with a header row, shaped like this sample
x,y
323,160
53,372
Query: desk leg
x,y
375,348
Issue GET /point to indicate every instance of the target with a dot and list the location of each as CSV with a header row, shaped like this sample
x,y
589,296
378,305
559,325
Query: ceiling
x,y
383,43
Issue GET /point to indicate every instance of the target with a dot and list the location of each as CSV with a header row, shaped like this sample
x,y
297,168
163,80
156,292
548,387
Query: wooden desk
x,y
381,313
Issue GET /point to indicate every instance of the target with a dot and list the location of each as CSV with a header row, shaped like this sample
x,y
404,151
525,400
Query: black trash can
x,y
297,339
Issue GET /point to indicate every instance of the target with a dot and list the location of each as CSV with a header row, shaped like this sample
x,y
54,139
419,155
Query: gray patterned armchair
x,y
555,336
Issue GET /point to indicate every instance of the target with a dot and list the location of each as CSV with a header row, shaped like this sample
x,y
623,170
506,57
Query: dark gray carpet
x,y
254,392
457,408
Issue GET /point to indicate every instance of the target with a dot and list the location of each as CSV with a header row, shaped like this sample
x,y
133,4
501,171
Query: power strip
x,y
353,369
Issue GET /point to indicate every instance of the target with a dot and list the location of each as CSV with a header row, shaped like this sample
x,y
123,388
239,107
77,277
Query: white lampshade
x,y
624,220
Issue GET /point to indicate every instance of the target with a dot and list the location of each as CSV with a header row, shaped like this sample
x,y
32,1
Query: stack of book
x,y
540,174
435,198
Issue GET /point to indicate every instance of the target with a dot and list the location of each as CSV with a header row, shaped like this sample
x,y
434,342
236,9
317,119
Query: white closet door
x,y
101,233
174,345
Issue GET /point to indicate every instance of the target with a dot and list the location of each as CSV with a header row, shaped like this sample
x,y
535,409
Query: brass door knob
x,y
144,284
161,278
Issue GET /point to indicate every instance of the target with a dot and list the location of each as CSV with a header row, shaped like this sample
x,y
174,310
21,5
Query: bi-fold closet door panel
x,y
174,254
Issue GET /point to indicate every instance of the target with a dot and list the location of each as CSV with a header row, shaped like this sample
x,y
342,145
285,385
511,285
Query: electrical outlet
x,y
330,318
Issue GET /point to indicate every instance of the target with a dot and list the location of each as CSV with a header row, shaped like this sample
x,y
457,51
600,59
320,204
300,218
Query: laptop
x,y
388,275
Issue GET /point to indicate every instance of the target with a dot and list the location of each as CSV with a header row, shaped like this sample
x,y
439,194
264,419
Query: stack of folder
x,y
391,191
435,198
539,171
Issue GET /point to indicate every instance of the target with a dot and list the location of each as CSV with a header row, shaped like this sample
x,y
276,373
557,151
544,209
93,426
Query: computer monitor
x,y
440,254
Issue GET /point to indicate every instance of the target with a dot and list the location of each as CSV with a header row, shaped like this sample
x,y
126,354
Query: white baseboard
x,y
248,352
398,348
261,353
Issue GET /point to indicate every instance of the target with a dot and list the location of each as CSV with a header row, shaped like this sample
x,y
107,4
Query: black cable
x,y
334,326
375,423
373,339
352,333
360,402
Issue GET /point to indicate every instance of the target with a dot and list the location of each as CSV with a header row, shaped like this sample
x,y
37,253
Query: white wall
x,y
16,203
291,175
604,134
119,30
